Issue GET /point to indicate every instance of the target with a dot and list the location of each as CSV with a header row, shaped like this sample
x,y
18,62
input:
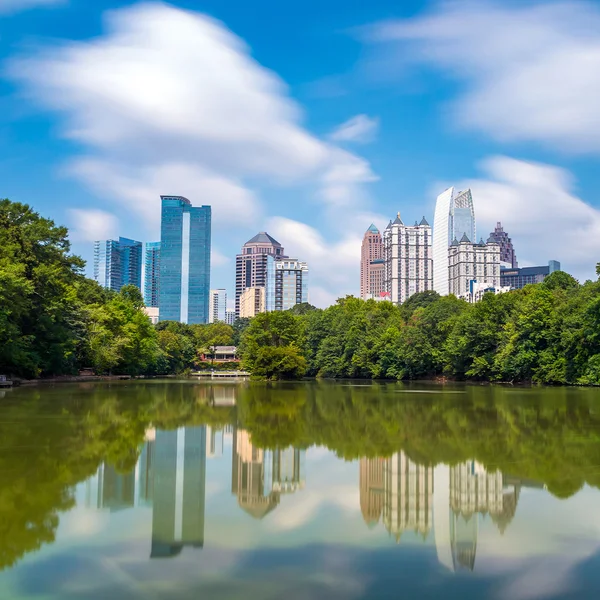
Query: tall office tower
x,y
230,317
118,263
519,278
217,305
252,302
179,491
371,489
469,262
407,256
251,264
371,251
287,283
408,496
454,218
507,251
184,261
151,274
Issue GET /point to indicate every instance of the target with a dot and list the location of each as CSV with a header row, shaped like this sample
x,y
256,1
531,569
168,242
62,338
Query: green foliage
x,y
273,345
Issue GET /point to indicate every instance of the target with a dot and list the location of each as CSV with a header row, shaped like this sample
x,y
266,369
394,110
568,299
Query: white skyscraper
x,y
454,218
408,264
217,305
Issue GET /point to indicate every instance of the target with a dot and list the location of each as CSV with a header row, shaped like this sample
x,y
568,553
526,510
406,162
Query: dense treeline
x,y
544,333
55,321
55,437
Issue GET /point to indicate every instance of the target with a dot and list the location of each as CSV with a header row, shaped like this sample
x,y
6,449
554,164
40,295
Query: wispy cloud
x,y
528,72
91,225
13,6
539,209
361,129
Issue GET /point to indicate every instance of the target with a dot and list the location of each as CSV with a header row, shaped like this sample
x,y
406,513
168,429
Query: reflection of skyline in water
x,y
446,502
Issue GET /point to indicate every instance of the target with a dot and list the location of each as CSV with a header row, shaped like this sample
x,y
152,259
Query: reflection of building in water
x,y
145,473
224,394
214,442
288,467
371,489
464,494
110,490
408,495
179,490
259,477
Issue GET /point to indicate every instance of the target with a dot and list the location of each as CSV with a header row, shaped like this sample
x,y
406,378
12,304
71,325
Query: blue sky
x,y
307,119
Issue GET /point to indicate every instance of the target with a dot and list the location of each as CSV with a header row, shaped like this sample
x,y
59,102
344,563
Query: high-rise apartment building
x,y
184,261
408,261
230,317
507,251
469,262
371,254
454,218
118,263
519,278
251,264
252,302
287,283
217,306
151,274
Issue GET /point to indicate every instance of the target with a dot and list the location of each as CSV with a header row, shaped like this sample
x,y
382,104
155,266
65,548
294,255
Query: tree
x,y
39,308
560,280
273,345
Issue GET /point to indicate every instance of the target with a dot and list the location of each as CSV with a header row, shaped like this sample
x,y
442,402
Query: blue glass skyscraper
x,y
185,236
151,273
118,263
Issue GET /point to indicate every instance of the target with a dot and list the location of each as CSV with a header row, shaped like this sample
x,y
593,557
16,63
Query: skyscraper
x,y
184,261
230,317
251,264
507,251
407,256
151,274
371,254
179,490
287,283
519,278
217,306
118,263
454,218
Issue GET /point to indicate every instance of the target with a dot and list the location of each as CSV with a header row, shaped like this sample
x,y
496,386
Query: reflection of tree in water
x,y
54,438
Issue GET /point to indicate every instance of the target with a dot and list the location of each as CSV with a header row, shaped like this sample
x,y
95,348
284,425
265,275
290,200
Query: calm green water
x,y
182,490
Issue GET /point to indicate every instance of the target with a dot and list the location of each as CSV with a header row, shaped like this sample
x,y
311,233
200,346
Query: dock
x,y
222,374
5,383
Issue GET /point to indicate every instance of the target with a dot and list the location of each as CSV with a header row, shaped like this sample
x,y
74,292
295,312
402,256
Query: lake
x,y
178,489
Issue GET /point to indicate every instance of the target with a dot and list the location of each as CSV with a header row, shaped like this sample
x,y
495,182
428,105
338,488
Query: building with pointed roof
x,y
371,265
408,259
473,269
507,251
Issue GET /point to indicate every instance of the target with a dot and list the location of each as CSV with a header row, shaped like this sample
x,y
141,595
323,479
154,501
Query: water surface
x,y
315,490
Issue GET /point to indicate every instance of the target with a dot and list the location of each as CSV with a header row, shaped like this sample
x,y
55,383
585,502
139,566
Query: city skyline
x,y
311,150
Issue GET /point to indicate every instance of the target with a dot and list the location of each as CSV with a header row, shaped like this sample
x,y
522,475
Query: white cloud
x,y
13,6
530,73
361,129
170,101
539,210
218,259
139,187
334,266
175,85
91,225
